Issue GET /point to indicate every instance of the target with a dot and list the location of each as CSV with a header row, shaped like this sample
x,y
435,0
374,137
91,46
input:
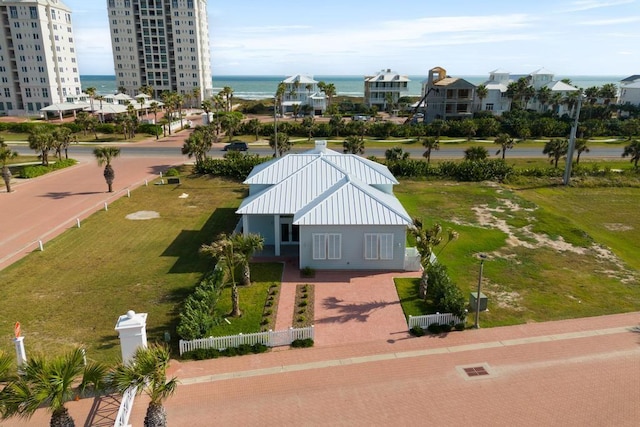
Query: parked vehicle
x,y
236,146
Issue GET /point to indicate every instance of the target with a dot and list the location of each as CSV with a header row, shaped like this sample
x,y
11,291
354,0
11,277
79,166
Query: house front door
x,y
289,233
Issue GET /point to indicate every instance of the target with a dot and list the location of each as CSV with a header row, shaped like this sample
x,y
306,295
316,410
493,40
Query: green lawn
x,y
72,293
544,262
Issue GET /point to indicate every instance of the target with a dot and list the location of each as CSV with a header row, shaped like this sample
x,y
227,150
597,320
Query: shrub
x,y
308,272
434,328
445,327
199,314
417,331
236,167
302,343
172,172
35,171
302,304
459,326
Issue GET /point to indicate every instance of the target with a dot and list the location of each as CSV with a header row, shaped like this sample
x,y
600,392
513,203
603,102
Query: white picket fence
x,y
126,405
426,320
270,339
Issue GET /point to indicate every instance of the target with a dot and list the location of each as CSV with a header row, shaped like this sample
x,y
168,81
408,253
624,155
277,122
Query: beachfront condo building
x,y
384,89
38,65
162,44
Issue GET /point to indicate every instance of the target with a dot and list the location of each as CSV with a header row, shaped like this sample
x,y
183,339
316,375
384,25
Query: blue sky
x,y
357,37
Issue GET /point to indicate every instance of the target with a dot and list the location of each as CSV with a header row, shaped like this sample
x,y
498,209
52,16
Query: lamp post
x,y
477,324
275,125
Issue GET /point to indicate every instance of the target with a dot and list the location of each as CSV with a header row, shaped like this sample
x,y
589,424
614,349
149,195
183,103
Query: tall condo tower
x,y
163,44
38,64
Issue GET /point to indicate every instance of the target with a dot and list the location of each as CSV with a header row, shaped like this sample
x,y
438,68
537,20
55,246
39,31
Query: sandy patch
x,y
618,227
142,215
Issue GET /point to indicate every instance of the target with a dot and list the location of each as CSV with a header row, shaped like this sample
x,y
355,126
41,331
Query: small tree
x,y
633,151
581,147
429,143
476,153
51,383
396,154
506,143
6,154
104,155
353,144
232,252
148,372
556,149
284,143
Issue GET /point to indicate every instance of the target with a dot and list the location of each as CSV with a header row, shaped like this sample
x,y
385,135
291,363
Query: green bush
x,y
417,331
199,315
307,272
108,128
302,343
212,353
172,172
459,326
35,171
236,167
445,327
434,328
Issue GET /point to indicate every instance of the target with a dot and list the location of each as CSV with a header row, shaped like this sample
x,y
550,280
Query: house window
x,y
327,246
378,246
489,107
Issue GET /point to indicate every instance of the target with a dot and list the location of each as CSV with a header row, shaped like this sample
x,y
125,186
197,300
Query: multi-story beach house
x,y
163,44
630,91
303,91
384,89
558,92
496,101
446,98
38,65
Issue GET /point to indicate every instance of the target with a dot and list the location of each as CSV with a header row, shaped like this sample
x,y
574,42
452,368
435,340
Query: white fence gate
x,y
126,405
270,339
439,318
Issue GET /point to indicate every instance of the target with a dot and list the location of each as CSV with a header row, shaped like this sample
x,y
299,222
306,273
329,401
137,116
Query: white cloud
x,y
595,4
613,21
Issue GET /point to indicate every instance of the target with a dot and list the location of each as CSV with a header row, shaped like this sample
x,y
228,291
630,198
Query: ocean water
x,y
264,87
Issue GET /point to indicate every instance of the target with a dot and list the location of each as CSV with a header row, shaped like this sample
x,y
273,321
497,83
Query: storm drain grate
x,y
476,371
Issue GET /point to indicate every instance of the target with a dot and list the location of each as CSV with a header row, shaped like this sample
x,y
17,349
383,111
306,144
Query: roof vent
x,y
321,145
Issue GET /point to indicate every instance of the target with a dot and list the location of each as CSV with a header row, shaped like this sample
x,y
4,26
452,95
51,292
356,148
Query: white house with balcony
x,y
333,211
496,101
303,91
630,91
385,88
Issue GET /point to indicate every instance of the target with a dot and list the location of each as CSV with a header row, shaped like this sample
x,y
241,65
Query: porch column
x,y
276,234
245,225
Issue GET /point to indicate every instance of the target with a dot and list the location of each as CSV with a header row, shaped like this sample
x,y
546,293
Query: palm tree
x,y
91,91
506,143
253,126
147,371
633,150
608,92
429,143
199,143
396,154
104,156
337,123
51,383
543,96
195,95
469,128
353,144
122,89
426,240
41,141
308,123
330,91
61,141
227,93
481,92
438,126
6,154
247,245
581,147
476,153
555,149
155,107
231,252
284,143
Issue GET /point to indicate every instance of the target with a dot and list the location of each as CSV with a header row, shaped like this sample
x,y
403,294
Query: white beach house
x,y
630,90
385,88
303,91
332,210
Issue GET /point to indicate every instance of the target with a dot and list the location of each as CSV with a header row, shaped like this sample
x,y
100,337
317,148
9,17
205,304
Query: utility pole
x,y
572,142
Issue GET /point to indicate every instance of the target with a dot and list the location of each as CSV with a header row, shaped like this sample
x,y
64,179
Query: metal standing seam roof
x,y
275,171
295,191
352,202
560,86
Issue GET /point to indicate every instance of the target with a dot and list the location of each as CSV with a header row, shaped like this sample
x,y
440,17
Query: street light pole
x,y
275,126
477,323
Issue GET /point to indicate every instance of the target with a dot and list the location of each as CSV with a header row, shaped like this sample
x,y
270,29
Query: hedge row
x,y
35,171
